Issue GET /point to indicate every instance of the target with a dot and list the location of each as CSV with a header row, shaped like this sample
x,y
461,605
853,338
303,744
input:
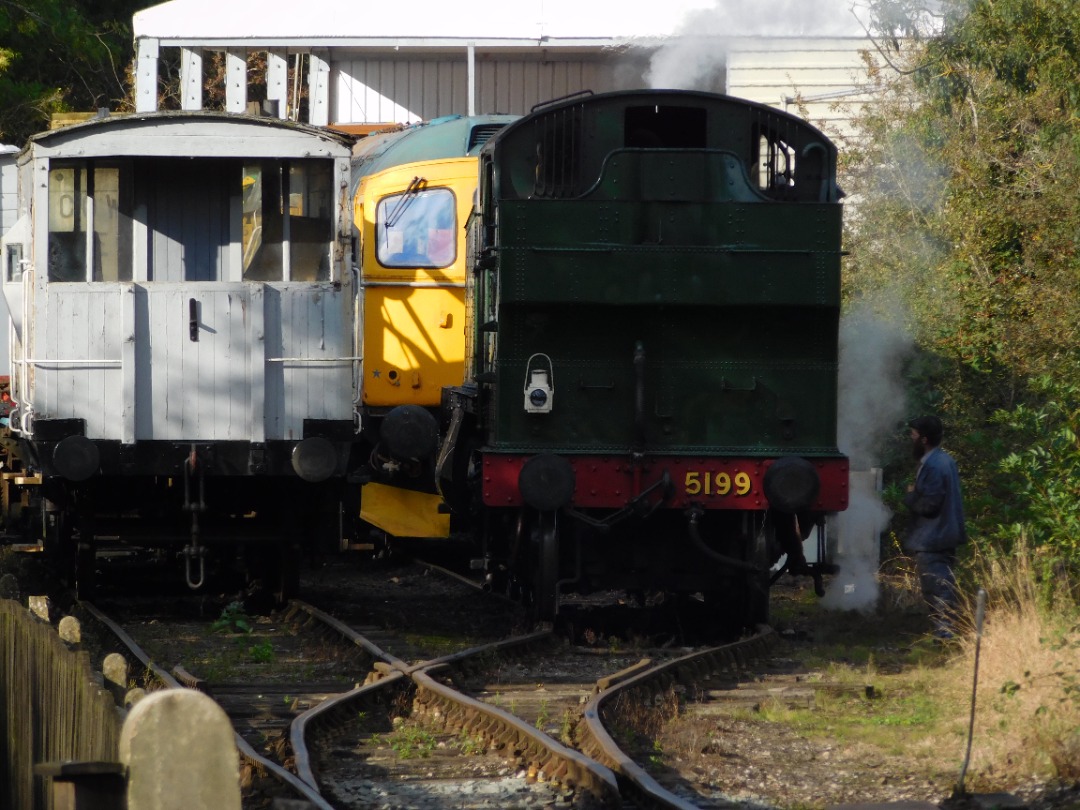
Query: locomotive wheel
x,y
545,575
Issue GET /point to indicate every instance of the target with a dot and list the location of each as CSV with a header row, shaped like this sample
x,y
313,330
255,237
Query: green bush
x,y
1041,480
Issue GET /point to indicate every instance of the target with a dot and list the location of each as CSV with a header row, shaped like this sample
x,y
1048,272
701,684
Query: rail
x,y
634,782
247,753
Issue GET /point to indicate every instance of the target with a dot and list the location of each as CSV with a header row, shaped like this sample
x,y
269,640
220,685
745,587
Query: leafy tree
x,y
62,55
965,219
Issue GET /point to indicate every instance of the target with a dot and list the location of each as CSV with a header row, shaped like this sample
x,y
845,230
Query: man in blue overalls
x,y
938,528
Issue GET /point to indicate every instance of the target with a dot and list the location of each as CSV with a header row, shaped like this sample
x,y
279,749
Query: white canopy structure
x,y
418,59
551,22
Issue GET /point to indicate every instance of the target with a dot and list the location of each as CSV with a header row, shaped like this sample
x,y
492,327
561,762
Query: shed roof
x,y
535,20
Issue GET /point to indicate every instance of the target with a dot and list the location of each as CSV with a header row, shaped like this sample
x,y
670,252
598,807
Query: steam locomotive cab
x,y
653,345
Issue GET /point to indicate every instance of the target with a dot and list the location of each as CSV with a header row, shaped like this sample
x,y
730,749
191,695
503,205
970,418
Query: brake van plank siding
x,y
82,323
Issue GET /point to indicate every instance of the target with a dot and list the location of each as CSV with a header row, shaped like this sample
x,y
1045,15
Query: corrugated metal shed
x,y
420,59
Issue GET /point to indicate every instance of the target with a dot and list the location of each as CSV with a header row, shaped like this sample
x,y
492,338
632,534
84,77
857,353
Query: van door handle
x,y
193,319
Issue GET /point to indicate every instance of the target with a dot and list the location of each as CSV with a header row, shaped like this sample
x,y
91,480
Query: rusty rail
x,y
545,758
247,753
646,688
444,706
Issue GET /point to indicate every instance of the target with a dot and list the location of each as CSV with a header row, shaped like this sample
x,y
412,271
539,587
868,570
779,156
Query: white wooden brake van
x,y
183,321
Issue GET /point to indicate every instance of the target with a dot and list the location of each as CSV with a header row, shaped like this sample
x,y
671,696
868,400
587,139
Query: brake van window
x,y
288,223
416,229
96,199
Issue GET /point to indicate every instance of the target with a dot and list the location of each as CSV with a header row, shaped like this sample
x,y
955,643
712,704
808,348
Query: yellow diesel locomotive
x,y
413,193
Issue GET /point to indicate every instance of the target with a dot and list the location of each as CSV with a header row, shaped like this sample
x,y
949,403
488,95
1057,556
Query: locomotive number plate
x,y
721,483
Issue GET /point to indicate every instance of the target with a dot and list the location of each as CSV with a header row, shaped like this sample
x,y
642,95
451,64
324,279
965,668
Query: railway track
x,y
381,707
263,779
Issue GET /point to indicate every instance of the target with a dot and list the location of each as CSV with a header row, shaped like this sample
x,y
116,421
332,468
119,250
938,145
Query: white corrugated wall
x,y
826,77
381,89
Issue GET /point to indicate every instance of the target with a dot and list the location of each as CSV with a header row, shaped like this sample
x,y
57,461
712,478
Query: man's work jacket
x,y
937,505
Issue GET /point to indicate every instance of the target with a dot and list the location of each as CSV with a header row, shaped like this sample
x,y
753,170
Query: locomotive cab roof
x,y
802,159
446,137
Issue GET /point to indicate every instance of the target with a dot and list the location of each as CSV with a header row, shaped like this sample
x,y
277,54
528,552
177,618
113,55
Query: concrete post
x,y
70,630
114,669
40,606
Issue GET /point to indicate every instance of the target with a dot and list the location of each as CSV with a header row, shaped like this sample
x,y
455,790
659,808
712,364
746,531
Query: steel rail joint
x,y
333,713
548,759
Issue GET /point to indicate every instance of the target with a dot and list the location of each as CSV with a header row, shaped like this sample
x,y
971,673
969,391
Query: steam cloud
x,y
873,347
696,56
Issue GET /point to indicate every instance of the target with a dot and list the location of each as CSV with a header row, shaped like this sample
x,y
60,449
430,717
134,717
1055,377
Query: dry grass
x,y
1027,720
908,742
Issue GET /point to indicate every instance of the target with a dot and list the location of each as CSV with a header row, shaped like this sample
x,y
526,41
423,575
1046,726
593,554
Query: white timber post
x,y
235,80
472,78
318,88
191,78
277,80
146,75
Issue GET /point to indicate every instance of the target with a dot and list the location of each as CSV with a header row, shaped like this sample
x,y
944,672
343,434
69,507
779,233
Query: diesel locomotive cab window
x,y
90,225
417,228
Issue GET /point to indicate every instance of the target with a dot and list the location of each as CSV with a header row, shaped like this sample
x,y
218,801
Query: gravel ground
x,y
740,757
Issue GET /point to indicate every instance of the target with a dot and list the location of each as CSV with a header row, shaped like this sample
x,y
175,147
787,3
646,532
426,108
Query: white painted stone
x,y
39,606
70,630
181,754
115,669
